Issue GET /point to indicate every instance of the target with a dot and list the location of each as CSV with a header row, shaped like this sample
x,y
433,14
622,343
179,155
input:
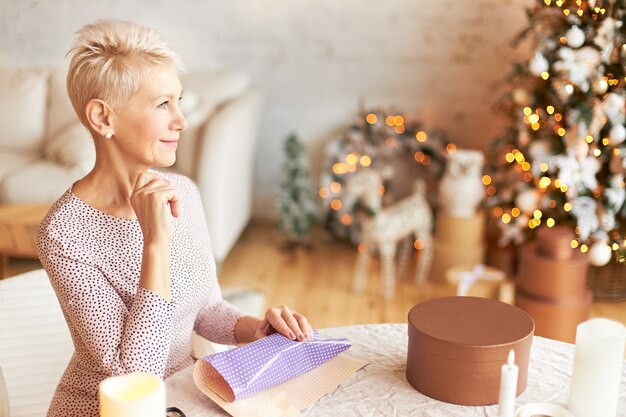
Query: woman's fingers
x,y
289,323
141,181
160,189
279,324
174,204
144,178
293,324
304,325
153,199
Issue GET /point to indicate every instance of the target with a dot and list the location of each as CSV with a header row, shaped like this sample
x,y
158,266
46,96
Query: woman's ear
x,y
100,116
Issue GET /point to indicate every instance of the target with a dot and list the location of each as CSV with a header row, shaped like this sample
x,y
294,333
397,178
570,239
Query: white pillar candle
x,y
598,359
508,387
132,395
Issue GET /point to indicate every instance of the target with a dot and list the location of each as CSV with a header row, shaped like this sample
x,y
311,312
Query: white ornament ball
x,y
527,200
538,64
600,254
575,37
617,134
600,86
613,106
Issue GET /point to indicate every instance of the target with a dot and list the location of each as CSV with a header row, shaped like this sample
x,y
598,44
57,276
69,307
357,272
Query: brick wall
x,y
440,60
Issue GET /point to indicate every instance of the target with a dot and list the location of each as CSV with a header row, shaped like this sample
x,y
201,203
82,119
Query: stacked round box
x,y
457,241
551,284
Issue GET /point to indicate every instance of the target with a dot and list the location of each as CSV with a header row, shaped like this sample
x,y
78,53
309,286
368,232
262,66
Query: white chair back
x,y
35,343
4,397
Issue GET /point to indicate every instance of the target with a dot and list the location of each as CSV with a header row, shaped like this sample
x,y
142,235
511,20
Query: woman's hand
x,y
281,320
154,201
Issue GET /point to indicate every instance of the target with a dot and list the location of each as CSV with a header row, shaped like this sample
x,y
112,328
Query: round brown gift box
x,y
556,320
457,346
452,230
555,242
552,279
446,256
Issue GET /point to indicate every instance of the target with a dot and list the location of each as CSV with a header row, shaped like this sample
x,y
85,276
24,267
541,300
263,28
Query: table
x,y
18,231
381,389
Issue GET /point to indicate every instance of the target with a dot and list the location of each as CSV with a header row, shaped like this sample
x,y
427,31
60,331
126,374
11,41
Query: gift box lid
x,y
469,328
555,242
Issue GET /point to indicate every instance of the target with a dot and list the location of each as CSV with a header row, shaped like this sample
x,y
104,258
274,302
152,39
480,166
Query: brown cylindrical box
x,y
556,320
555,242
552,279
504,258
446,256
457,346
452,230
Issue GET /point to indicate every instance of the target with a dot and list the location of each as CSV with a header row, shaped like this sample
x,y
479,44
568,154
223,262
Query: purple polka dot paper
x,y
272,360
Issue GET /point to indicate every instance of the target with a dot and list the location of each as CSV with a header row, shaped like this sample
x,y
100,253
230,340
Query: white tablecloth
x,y
381,388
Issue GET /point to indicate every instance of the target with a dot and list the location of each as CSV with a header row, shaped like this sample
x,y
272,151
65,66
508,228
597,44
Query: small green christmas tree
x,y
297,204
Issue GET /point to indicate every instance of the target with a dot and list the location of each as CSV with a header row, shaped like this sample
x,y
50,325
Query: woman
x,y
126,248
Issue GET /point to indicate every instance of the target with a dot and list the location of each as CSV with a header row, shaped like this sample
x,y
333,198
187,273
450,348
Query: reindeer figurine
x,y
400,221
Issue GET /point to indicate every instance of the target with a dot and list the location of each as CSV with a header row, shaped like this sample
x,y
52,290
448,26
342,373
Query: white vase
x,y
461,189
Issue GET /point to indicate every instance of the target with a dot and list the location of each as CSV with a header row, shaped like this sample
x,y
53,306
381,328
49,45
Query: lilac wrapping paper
x,y
270,361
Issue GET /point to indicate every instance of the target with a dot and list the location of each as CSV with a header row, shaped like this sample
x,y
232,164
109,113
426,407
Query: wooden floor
x,y
317,282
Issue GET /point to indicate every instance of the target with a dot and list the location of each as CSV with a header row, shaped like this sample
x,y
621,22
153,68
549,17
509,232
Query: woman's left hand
x,y
285,321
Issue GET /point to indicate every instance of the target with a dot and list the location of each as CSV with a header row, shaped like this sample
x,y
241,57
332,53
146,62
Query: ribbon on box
x,y
468,278
270,361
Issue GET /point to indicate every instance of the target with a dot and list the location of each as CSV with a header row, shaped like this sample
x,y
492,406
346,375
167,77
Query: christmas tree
x,y
562,160
297,203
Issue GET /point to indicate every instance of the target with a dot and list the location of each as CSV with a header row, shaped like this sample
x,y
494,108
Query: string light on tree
x,y
563,154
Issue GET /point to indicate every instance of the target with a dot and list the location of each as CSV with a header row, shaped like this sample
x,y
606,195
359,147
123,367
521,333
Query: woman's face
x,y
148,128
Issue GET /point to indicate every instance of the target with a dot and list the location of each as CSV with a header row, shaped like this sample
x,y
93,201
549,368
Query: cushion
x,y
22,109
203,93
60,110
73,148
4,397
38,182
11,160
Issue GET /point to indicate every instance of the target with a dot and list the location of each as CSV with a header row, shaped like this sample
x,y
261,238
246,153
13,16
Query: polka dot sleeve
x,y
113,334
219,310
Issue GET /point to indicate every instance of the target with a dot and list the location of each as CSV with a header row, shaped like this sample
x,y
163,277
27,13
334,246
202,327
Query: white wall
x,y
441,60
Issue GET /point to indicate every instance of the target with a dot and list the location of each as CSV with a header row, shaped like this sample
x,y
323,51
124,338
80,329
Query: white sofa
x,y
44,149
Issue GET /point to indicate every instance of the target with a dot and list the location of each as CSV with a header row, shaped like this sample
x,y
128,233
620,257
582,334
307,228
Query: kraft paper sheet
x,y
267,360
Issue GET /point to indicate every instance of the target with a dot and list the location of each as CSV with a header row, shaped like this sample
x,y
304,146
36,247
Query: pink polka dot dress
x,y
93,260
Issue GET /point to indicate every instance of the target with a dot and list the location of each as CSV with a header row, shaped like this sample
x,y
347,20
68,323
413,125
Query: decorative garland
x,y
374,141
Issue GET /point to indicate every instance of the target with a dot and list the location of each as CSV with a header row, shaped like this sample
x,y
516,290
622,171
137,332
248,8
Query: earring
x,y
108,135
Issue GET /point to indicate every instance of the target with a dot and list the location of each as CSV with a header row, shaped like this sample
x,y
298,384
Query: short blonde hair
x,y
108,61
